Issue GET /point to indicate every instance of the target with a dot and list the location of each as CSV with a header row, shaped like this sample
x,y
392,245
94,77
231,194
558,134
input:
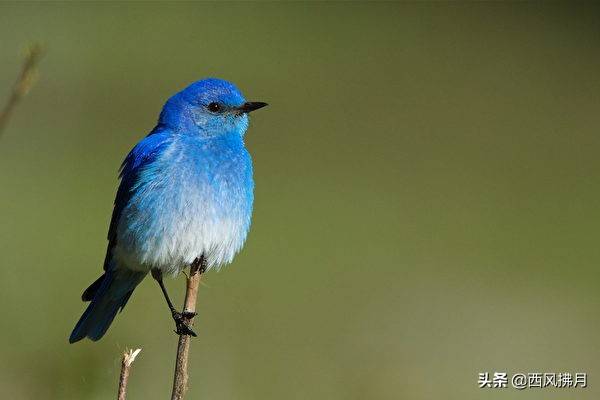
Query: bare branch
x,y
24,83
180,379
128,359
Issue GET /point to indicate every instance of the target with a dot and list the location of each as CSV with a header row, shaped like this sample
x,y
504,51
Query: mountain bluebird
x,y
185,198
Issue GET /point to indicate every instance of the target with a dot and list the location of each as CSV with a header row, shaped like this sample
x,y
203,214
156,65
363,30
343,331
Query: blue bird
x,y
185,198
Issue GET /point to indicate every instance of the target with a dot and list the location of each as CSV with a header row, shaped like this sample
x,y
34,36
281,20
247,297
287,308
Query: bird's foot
x,y
182,323
189,314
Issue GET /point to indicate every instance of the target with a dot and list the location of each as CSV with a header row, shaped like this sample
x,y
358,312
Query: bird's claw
x,y
184,329
189,314
182,323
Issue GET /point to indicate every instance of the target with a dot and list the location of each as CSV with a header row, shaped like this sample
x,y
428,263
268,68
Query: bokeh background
x,y
427,201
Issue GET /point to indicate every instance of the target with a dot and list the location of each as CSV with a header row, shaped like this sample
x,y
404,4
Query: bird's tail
x,y
108,294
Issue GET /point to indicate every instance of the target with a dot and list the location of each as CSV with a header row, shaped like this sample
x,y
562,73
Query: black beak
x,y
251,106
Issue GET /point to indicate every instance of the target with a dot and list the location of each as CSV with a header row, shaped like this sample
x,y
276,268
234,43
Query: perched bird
x,y
185,198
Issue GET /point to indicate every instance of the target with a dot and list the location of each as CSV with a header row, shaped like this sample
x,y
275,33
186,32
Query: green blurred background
x,y
427,201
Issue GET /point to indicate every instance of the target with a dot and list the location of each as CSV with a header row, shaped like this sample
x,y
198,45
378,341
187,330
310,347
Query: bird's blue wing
x,y
144,153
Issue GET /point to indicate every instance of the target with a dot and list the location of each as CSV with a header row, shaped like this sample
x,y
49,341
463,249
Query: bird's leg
x,y
181,318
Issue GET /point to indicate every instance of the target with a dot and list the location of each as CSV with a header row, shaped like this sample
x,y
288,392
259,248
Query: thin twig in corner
x,y
183,348
128,359
24,83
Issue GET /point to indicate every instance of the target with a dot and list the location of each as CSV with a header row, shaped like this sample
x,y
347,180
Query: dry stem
x,y
23,84
183,348
128,359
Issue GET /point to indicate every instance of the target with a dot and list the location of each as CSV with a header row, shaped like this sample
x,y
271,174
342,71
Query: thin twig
x,y
183,348
24,83
128,359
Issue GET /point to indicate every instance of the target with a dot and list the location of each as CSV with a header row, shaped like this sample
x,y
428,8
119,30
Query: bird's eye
x,y
214,107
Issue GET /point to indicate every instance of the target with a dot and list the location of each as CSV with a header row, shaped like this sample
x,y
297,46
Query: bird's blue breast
x,y
192,197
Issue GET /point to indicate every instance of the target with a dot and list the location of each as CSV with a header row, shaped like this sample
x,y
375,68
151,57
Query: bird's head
x,y
210,107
